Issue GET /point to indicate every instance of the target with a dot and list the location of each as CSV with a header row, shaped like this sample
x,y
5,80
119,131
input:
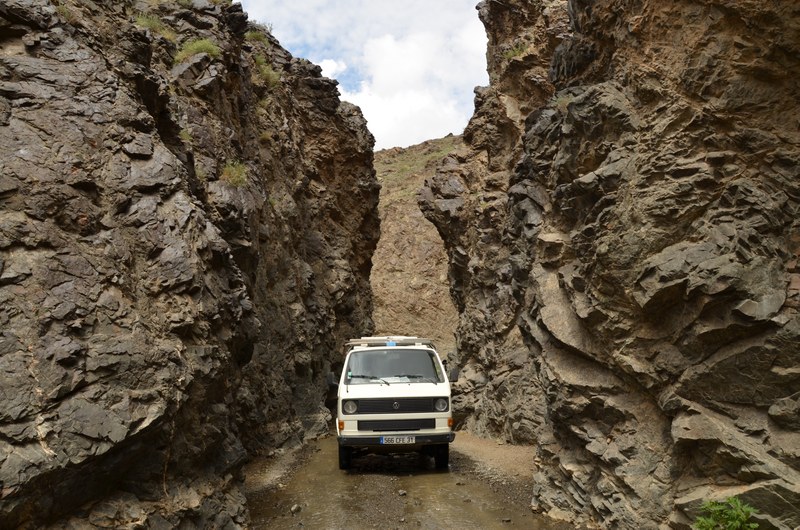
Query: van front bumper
x,y
419,439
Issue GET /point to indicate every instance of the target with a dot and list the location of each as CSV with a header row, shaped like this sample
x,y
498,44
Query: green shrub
x,y
270,76
155,25
235,174
195,46
266,73
185,135
255,36
515,51
729,515
151,22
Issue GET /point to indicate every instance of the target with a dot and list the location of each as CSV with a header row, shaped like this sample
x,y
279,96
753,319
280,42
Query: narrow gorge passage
x,y
189,229
488,484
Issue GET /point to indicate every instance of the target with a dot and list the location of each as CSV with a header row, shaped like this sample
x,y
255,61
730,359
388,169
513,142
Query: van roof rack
x,y
388,340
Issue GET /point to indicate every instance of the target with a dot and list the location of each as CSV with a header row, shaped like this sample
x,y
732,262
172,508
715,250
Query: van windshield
x,y
397,365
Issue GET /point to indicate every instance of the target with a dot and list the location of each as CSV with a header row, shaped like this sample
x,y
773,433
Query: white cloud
x,y
407,117
332,68
411,66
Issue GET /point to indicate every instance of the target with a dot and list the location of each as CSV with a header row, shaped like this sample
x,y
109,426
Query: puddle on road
x,y
381,491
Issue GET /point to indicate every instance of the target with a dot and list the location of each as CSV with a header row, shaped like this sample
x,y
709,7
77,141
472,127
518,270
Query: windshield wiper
x,y
370,377
417,376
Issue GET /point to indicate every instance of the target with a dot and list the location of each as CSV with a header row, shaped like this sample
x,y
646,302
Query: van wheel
x,y
441,456
345,457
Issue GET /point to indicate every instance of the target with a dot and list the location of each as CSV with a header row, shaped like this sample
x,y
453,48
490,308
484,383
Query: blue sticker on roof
x,y
391,343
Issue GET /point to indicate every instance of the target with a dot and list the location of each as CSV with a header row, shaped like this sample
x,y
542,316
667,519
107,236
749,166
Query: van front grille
x,y
399,405
396,425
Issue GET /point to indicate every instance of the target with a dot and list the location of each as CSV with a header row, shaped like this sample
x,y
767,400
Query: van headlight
x,y
440,405
349,407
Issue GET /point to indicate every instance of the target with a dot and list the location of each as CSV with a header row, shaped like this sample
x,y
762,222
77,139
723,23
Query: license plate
x,y
398,439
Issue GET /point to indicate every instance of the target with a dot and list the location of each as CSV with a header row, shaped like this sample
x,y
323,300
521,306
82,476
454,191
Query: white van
x,y
393,396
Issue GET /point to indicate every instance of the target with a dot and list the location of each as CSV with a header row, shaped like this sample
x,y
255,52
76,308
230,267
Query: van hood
x,y
394,390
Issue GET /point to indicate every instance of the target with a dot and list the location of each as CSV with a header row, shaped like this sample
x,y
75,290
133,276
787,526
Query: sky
x,y
410,65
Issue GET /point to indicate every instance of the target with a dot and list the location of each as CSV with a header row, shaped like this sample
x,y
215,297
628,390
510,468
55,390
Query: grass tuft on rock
x,y
235,174
195,46
255,36
266,73
156,26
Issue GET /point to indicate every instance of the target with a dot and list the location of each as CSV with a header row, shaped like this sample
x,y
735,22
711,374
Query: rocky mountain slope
x,y
409,273
623,245
187,217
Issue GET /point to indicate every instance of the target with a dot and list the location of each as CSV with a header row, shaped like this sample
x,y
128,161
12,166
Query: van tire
x,y
441,456
345,457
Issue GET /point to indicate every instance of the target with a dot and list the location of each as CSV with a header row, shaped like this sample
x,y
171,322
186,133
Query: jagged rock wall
x,y
623,244
184,245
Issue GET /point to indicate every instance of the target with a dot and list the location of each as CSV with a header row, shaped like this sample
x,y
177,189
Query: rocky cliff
x,y
187,216
623,246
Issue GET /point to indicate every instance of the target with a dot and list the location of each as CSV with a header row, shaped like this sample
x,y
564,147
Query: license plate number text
x,y
391,440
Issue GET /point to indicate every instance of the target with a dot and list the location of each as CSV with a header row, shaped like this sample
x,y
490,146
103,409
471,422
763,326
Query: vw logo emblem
x,y
395,405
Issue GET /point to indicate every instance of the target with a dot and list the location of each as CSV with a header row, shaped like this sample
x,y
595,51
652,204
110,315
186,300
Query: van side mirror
x,y
332,379
453,375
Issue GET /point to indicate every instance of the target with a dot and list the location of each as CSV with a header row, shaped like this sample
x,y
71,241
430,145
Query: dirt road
x,y
486,487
